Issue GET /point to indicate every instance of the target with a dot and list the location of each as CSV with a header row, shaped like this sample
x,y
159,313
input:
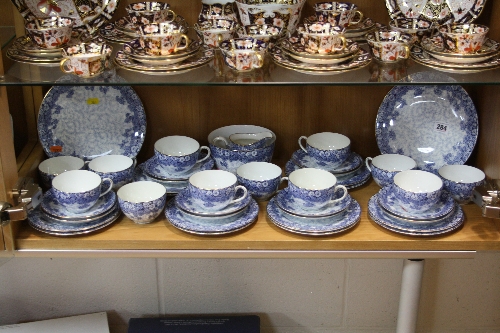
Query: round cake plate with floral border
x,y
390,203
219,226
50,206
153,169
91,121
385,220
40,221
440,129
288,204
336,224
434,46
353,162
449,11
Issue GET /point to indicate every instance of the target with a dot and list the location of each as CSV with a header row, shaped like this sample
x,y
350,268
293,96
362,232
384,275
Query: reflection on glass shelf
x,y
6,35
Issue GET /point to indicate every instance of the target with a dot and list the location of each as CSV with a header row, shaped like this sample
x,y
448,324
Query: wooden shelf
x,y
478,233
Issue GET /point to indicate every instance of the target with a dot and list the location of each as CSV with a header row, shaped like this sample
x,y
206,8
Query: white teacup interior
x,y
177,145
259,171
328,141
212,179
76,181
394,162
461,173
418,181
111,163
60,164
312,179
142,191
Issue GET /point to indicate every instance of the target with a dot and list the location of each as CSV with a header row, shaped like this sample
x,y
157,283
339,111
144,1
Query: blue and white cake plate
x,y
353,162
436,125
385,220
153,169
91,121
214,226
184,202
288,204
50,206
40,221
390,203
335,224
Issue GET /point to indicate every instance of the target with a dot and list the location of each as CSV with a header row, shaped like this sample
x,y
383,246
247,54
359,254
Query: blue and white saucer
x,y
51,207
288,204
305,161
214,226
184,202
390,203
335,224
42,222
153,169
385,220
172,186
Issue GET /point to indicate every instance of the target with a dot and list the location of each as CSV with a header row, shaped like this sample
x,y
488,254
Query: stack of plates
x,y
174,183
352,173
354,32
445,216
331,219
183,214
290,53
51,218
432,53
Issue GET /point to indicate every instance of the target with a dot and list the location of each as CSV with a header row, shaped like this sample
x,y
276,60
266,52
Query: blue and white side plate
x,y
184,202
286,203
50,206
385,220
305,161
335,224
42,222
153,169
434,125
91,121
390,203
172,186
217,226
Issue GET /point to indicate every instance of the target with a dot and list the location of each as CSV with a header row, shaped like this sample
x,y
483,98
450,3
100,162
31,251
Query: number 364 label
x,y
441,127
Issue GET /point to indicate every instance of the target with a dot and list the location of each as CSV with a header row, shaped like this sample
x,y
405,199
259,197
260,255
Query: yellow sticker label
x,y
91,101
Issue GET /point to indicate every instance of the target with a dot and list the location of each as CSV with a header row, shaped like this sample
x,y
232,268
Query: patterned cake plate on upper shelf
x,y
435,125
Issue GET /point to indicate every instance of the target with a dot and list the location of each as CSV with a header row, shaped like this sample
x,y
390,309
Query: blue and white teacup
x,y
385,167
119,168
142,201
261,179
460,181
213,190
417,190
313,189
54,166
178,154
327,149
79,190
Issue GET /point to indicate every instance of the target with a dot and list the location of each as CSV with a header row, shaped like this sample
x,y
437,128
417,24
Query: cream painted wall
x,y
289,295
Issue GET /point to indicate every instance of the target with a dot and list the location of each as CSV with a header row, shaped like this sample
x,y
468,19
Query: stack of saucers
x,y
184,214
52,218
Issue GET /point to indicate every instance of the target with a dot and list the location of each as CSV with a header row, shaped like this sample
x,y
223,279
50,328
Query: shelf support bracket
x,y
409,297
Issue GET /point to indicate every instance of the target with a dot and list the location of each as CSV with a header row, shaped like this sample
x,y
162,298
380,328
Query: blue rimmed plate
x,y
91,121
305,161
215,226
183,201
334,224
385,220
288,204
172,186
435,125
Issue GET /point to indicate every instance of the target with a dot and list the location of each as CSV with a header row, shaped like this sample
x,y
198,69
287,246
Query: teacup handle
x,y
109,188
344,43
220,138
245,193
174,15
300,143
260,60
336,189
63,68
361,16
186,38
407,52
208,154
367,162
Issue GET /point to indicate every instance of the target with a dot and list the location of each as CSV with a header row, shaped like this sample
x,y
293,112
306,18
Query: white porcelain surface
x,y
111,163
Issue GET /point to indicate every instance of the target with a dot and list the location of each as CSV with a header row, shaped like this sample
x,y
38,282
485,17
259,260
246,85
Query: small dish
x,y
287,204
353,162
183,202
173,187
153,169
434,46
293,47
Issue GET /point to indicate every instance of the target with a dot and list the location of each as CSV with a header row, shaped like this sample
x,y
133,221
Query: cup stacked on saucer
x,y
313,204
330,152
79,202
212,204
416,204
176,158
